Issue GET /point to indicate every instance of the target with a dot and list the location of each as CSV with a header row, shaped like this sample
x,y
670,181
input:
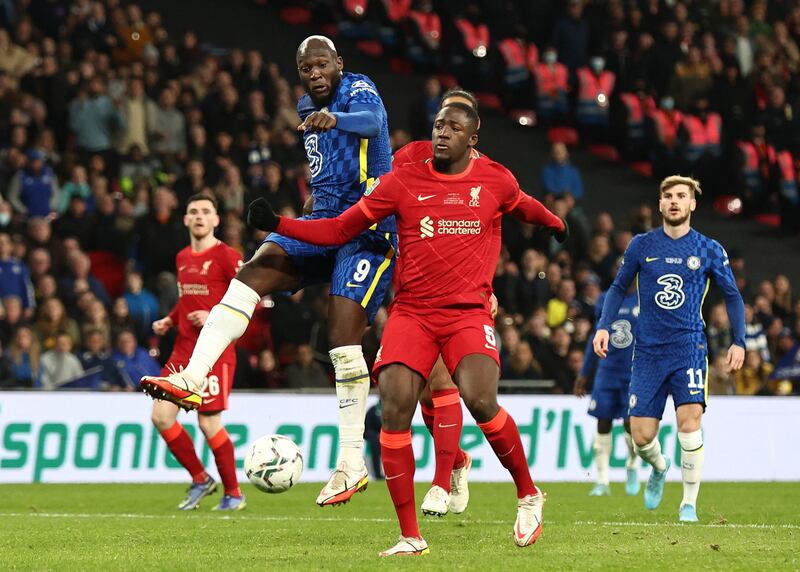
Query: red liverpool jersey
x,y
203,279
444,226
422,151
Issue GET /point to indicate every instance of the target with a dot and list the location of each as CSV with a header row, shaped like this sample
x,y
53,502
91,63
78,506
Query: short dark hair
x,y
471,112
458,92
202,197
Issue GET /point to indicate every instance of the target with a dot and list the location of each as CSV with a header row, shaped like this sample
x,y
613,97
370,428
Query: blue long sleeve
x,y
590,359
364,120
622,281
723,276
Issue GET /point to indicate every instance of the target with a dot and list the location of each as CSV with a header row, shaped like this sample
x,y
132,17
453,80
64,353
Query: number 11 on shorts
x,y
695,382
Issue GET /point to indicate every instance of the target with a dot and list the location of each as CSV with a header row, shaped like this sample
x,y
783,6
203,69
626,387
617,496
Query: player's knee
x,y
642,437
482,407
689,425
396,416
162,420
209,425
426,400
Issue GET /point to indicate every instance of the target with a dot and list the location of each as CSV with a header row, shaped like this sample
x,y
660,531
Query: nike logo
x,y
346,405
694,392
446,426
424,197
651,259
351,285
388,478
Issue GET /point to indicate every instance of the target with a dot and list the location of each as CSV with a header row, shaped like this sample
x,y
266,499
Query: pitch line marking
x,y
134,516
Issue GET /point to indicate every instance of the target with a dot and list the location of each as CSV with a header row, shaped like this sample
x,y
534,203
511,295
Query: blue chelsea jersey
x,y
343,164
672,277
622,331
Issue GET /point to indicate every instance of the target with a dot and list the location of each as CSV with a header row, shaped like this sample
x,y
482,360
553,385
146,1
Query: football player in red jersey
x,y
440,402
445,210
205,268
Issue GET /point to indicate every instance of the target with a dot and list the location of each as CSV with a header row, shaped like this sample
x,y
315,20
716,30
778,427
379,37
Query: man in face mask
x,y
552,83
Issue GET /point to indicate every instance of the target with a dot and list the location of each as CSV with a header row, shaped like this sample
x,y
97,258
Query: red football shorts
x,y
217,386
416,339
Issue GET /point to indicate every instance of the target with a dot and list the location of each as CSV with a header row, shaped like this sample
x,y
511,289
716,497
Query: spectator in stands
x,y
13,318
720,382
423,111
142,304
571,37
121,319
718,331
522,363
132,361
554,360
160,235
552,85
59,365
530,285
779,119
15,61
230,191
34,191
76,222
15,279
167,128
25,352
755,338
691,80
559,176
306,371
752,378
94,119
95,319
137,108
267,373
77,185
78,278
52,321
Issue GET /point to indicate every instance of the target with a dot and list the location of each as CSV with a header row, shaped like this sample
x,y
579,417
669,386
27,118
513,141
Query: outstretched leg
x,y
477,376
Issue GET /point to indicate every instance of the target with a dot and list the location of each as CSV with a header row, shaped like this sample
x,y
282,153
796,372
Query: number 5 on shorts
x,y
491,341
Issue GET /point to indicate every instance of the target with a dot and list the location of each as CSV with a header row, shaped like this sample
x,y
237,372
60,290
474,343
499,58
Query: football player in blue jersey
x,y
346,137
672,266
610,392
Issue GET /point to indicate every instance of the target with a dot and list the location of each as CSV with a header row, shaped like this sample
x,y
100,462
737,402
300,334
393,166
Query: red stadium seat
x,y
296,16
644,168
605,152
769,219
447,80
370,48
400,66
110,270
566,135
489,101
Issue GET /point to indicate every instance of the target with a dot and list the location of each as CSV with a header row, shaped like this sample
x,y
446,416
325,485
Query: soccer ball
x,y
273,463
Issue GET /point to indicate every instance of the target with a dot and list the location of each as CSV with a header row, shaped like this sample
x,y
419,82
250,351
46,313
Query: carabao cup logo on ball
x,y
672,296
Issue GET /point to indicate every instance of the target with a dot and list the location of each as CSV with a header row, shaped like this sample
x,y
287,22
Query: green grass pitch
x,y
125,527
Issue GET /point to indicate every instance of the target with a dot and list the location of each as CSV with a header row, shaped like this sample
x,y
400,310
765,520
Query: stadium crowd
x,y
108,123
683,86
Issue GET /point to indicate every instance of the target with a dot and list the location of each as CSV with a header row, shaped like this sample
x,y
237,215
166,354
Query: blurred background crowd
x,y
109,122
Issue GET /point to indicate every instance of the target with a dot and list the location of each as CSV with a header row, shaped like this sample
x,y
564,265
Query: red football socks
x,y
446,433
182,446
222,448
503,436
399,467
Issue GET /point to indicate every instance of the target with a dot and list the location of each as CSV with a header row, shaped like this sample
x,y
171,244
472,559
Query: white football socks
x,y
602,456
652,454
692,459
225,324
633,459
352,389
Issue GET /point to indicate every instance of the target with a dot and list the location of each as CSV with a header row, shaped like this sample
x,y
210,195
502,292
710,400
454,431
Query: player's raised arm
x,y
324,231
616,294
525,208
720,270
372,208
